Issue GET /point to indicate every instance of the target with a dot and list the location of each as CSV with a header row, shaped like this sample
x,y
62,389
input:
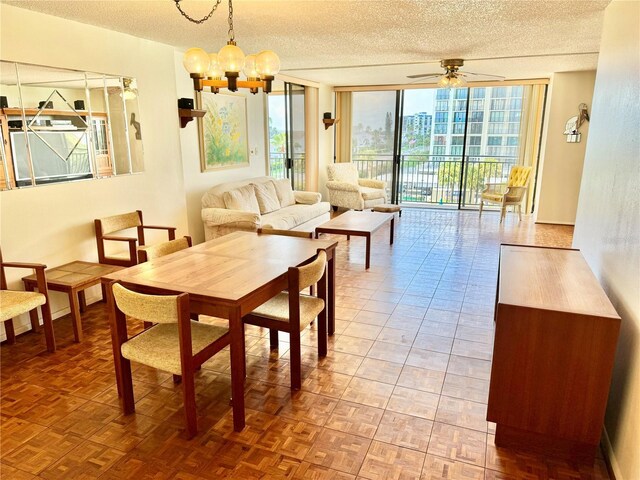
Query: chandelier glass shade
x,y
208,69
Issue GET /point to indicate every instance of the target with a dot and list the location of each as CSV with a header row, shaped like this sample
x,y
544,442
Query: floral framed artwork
x,y
223,131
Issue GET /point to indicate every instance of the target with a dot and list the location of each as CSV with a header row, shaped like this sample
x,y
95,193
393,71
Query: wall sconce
x,y
328,121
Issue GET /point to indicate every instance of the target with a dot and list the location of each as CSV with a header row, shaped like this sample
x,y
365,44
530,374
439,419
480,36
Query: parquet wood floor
x,y
402,393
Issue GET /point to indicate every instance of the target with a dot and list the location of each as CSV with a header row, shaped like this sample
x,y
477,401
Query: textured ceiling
x,y
385,40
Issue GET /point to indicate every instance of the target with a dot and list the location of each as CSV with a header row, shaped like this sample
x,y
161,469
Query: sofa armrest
x,y
307,198
371,183
221,216
342,186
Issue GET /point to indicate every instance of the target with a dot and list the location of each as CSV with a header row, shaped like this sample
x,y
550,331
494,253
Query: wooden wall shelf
x,y
187,114
329,122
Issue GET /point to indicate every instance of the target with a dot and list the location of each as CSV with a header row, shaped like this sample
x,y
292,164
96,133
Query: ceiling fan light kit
x,y
207,69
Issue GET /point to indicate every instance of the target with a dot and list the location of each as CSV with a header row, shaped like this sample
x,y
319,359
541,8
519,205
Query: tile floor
x,y
401,395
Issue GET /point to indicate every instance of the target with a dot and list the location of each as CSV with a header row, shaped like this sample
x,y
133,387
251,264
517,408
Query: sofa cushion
x,y
213,197
285,192
242,198
371,193
290,217
267,197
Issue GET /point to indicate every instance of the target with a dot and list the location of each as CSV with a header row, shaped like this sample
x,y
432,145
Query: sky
x,y
370,108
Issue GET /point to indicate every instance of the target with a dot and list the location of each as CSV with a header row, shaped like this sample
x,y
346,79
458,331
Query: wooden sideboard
x,y
555,341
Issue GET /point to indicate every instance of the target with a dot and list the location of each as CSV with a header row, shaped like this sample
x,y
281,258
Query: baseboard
x,y
610,457
545,222
22,327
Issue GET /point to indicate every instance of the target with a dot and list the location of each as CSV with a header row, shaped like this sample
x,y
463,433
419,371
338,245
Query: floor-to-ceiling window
x,y
450,142
286,131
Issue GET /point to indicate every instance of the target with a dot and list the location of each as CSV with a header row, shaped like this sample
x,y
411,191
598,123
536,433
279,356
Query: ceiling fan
x,y
452,77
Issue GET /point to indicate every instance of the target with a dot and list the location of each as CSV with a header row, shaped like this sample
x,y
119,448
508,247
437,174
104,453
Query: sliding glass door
x,y
448,144
295,123
287,134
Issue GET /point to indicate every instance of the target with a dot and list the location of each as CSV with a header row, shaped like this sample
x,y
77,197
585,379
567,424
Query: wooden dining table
x,y
228,277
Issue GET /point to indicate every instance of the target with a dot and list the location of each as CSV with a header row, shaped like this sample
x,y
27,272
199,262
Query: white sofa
x,y
262,202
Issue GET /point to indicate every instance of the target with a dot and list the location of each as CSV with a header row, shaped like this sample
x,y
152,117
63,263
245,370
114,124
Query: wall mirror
x,y
60,125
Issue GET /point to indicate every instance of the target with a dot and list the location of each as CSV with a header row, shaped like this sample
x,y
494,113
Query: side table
x,y
73,278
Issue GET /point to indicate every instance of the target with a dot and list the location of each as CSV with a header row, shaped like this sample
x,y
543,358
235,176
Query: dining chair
x,y
292,311
17,302
164,248
160,250
176,344
105,226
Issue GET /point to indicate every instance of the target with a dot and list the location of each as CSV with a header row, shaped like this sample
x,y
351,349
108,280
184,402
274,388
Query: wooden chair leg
x,y
481,205
189,400
519,212
35,321
11,334
503,213
128,403
273,338
294,353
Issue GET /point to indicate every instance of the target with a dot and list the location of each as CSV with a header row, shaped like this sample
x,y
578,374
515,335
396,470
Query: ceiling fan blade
x,y
424,75
497,77
428,79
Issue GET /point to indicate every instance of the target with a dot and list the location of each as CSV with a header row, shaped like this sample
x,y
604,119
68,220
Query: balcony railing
x,y
278,168
435,179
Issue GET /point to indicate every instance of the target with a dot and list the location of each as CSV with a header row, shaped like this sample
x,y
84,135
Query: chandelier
x,y
207,69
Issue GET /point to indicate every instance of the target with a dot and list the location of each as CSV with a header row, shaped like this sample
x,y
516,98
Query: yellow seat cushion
x,y
493,197
159,346
14,303
278,308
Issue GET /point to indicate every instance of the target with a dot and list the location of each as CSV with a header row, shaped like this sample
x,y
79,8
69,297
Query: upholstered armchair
x,y
511,193
346,190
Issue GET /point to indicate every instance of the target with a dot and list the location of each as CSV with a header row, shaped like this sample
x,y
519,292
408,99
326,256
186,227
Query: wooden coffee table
x,y
358,224
73,278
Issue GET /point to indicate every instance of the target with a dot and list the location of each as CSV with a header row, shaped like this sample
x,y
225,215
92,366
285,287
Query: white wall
x,y
608,221
196,183
54,224
326,103
559,180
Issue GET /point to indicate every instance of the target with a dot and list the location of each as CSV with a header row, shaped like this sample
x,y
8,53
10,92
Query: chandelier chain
x,y
194,20
231,32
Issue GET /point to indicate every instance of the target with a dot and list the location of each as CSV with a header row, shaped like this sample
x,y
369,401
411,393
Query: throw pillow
x,y
243,198
267,197
285,192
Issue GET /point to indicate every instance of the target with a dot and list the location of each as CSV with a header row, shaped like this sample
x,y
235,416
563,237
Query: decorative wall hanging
x,y
573,124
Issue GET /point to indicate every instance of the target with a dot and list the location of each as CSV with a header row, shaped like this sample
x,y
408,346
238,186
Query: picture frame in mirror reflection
x,y
222,132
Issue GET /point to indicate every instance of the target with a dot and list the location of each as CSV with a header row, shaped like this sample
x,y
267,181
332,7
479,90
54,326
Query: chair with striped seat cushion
x,y
292,313
176,344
